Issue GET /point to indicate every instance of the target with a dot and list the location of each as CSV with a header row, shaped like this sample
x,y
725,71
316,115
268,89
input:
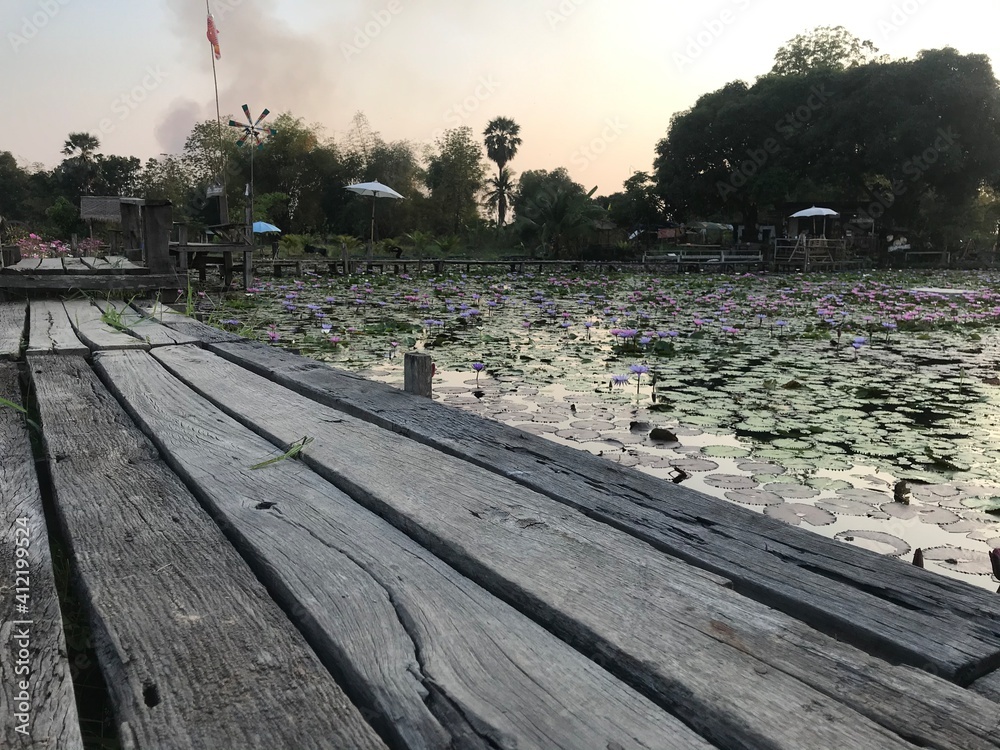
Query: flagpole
x,y
224,197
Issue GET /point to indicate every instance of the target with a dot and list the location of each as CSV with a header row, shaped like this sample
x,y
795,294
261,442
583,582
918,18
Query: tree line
x,y
915,143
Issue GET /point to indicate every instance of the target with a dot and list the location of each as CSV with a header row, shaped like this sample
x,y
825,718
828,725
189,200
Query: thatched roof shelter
x,y
105,208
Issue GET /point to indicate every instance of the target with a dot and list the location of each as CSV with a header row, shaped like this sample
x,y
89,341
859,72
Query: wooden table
x,y
417,577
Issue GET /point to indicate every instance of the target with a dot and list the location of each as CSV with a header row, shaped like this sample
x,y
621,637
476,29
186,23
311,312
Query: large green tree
x,y
502,139
554,212
831,47
454,176
14,188
913,139
637,205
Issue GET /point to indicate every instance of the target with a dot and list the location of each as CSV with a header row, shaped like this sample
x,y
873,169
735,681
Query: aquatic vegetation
x,y
919,402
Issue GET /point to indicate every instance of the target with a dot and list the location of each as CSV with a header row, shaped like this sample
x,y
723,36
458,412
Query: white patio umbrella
x,y
813,212
375,190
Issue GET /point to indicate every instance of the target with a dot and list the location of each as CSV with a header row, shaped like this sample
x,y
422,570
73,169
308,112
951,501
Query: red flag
x,y
213,37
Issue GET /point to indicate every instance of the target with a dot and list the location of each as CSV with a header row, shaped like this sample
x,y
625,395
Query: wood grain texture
x,y
23,265
194,651
50,331
189,326
145,327
96,264
52,722
416,636
884,606
98,282
76,265
712,656
13,320
989,686
50,265
90,328
121,264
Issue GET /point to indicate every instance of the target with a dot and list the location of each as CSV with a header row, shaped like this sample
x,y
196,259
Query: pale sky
x,y
592,83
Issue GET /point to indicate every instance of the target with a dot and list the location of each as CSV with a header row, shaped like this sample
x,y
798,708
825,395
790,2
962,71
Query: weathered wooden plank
x,y
50,265
123,264
76,265
13,320
23,265
102,282
413,633
36,686
96,264
194,651
145,327
988,686
88,322
50,331
707,653
189,326
883,606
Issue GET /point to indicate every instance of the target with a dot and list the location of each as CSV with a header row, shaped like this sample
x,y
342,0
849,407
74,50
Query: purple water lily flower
x,y
619,380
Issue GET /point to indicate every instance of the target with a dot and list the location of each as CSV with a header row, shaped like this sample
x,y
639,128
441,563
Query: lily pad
x,y
876,541
730,481
693,464
799,513
725,451
961,560
792,491
754,497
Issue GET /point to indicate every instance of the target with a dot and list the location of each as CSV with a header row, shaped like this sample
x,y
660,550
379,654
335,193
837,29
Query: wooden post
x,y
156,223
247,268
131,231
418,370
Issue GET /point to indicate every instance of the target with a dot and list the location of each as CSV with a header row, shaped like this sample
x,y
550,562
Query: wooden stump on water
x,y
418,370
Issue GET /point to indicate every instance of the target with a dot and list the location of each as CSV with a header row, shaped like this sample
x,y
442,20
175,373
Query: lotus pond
x,y
807,397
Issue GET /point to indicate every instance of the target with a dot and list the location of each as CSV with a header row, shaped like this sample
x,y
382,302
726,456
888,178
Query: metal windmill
x,y
254,133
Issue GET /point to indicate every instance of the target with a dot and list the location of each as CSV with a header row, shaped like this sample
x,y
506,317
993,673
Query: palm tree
x,y
500,192
84,143
502,140
80,149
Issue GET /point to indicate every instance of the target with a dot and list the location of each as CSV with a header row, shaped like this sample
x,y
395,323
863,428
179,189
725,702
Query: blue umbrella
x,y
262,227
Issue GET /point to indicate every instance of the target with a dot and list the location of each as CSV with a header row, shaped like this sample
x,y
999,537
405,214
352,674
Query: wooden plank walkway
x,y
51,331
36,691
881,605
420,578
111,274
12,320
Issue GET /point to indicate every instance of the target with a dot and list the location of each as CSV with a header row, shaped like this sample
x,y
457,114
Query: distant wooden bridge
x,y
271,553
